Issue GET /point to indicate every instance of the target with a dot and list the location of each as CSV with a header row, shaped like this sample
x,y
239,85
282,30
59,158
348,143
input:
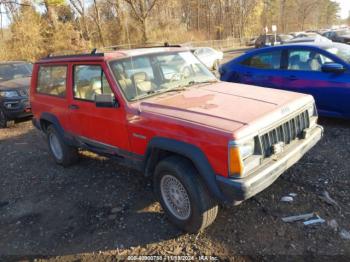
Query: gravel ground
x,y
98,210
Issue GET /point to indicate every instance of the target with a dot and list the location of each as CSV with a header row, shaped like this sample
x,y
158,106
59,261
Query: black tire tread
x,y
5,123
70,154
208,207
210,214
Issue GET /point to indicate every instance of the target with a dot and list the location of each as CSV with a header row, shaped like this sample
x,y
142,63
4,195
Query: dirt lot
x,y
98,210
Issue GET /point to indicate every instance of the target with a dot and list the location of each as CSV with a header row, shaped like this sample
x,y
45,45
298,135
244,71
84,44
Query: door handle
x,y
292,78
73,107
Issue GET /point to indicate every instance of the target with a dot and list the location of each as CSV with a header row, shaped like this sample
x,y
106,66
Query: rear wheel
x,y
183,195
63,154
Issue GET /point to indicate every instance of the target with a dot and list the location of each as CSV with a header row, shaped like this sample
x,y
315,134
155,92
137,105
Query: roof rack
x,y
70,53
99,51
133,46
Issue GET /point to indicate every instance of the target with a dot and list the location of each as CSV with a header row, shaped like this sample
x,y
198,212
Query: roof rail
x,y
73,54
97,51
133,46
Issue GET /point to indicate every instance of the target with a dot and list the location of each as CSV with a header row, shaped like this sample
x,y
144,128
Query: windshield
x,y
13,71
341,50
143,76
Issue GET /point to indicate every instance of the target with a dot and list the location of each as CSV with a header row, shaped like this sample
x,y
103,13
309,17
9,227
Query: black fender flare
x,y
56,123
191,152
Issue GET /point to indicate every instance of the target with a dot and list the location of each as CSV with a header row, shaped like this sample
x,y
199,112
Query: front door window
x,y
306,60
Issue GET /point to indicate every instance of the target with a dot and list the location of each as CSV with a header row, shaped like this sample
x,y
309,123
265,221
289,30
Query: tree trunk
x,y
198,11
98,24
144,31
2,30
51,14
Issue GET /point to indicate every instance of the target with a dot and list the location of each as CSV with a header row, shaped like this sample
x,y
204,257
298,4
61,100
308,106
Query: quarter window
x,y
306,60
52,80
267,60
90,80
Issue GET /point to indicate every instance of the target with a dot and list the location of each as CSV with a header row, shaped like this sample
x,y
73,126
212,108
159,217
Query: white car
x,y
316,38
209,56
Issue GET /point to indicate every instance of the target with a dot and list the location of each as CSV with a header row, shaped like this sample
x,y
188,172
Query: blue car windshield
x,y
341,50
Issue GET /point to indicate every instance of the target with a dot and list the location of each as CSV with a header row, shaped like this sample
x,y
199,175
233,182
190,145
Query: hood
x,y
16,83
227,106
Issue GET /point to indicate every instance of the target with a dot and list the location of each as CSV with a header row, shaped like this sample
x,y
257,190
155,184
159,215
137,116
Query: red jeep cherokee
x,y
161,111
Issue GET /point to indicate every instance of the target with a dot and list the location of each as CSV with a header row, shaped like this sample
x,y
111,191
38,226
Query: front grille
x,y
287,132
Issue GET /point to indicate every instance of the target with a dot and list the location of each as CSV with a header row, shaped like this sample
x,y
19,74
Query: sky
x,y
345,8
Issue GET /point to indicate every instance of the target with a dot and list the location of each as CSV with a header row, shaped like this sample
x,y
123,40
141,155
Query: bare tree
x,y
80,10
76,24
304,10
98,23
140,11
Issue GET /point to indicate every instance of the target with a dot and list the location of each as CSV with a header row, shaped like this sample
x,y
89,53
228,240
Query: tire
x,y
4,122
62,153
199,208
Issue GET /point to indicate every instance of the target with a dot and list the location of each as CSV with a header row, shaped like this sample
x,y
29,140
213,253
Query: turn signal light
x,y
236,165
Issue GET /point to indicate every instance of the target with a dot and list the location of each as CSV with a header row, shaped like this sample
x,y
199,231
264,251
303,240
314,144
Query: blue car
x,y
322,70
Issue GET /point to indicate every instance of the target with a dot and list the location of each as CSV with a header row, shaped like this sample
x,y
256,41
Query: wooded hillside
x,y
31,29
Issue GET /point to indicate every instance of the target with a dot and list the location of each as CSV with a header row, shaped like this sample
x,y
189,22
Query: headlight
x,y
8,93
237,154
247,149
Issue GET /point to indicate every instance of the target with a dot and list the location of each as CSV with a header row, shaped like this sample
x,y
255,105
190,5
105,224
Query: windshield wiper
x,y
152,92
175,89
200,82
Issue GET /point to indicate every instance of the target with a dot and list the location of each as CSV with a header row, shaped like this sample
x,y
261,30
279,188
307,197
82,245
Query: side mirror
x,y
106,101
333,68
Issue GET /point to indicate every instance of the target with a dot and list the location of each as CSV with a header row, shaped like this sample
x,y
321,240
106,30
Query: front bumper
x,y
16,108
243,188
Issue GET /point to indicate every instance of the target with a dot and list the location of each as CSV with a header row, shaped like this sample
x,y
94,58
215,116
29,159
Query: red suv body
x,y
162,112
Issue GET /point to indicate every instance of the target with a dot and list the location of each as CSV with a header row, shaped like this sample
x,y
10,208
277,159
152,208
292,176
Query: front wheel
x,y
183,195
4,122
63,154
216,64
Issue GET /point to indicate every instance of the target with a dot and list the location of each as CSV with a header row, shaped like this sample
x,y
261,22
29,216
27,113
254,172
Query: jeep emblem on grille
x,y
278,147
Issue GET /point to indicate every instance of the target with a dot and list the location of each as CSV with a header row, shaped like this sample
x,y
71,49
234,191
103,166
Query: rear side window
x,y
90,80
52,80
267,60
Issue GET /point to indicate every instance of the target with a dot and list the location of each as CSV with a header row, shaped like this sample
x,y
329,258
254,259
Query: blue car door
x,y
261,69
302,72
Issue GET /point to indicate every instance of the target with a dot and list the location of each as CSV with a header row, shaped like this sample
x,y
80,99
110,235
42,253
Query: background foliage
x,y
39,27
